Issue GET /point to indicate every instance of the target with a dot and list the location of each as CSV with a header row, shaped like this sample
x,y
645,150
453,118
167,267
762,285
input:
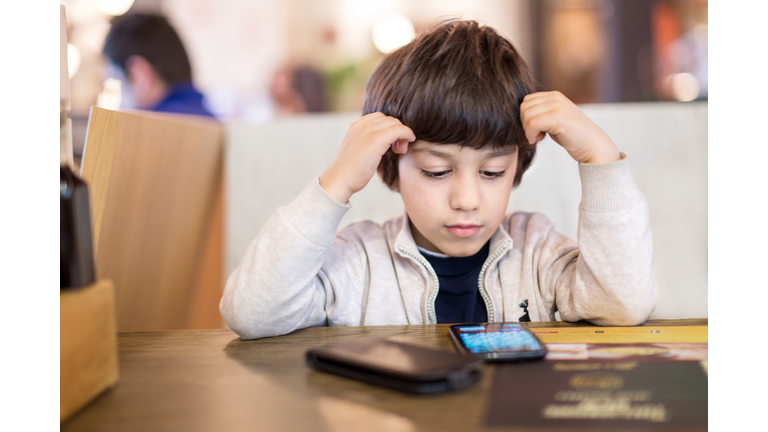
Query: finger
x,y
396,132
541,97
404,133
535,129
531,111
376,121
386,122
549,94
368,119
534,96
525,107
383,123
373,115
536,124
400,147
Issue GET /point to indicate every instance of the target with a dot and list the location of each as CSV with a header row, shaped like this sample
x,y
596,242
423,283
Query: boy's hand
x,y
366,141
554,114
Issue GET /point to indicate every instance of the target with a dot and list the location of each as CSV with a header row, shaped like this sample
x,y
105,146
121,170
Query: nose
x,y
465,194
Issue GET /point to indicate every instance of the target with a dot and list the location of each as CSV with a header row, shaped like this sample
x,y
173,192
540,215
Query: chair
x,y
156,205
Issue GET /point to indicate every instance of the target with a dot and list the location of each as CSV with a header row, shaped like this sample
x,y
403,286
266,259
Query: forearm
x,y
613,279
275,289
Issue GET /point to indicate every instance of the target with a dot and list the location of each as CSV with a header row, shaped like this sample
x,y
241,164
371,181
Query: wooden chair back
x,y
156,205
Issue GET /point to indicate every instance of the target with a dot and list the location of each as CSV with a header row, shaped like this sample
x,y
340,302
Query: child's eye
x,y
435,174
493,174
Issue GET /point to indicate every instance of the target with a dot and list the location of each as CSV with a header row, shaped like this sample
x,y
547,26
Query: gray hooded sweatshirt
x,y
300,272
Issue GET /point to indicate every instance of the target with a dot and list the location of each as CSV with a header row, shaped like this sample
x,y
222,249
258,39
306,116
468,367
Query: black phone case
x,y
450,380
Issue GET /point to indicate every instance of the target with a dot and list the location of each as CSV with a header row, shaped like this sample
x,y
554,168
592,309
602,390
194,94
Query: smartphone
x,y
396,365
498,341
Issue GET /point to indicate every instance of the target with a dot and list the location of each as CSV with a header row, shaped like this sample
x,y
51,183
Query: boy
x,y
451,122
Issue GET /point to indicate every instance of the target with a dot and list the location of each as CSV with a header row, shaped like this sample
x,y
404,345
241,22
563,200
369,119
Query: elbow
x,y
633,312
623,312
241,319
251,319
622,318
245,327
245,324
240,310
246,332
629,318
255,312
234,321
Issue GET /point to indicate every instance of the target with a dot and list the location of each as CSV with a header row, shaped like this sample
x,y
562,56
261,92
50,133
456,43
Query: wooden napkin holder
x,y
88,345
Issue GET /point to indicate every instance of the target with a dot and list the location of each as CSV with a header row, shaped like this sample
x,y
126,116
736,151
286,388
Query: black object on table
x,y
77,268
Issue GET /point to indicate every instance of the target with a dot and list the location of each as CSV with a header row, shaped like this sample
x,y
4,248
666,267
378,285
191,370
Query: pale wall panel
x,y
268,165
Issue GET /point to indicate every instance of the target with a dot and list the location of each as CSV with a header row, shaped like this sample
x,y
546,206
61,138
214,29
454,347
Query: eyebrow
x,y
503,151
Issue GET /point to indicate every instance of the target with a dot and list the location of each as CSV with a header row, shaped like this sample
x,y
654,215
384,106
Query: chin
x,y
461,250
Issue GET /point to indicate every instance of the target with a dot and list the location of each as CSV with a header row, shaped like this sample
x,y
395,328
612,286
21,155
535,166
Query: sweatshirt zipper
x,y
433,295
481,279
480,283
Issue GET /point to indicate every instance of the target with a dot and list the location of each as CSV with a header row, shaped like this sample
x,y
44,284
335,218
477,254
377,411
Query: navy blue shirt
x,y
459,299
183,98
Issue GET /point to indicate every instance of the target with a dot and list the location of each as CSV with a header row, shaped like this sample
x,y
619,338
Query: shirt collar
x,y
180,90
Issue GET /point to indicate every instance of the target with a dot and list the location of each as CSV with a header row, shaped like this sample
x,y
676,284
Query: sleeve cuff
x,y
608,187
315,214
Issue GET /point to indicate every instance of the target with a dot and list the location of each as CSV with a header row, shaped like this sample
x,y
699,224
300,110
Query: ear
x,y
141,75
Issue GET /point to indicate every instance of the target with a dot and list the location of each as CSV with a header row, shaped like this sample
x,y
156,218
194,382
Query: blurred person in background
x,y
297,91
147,56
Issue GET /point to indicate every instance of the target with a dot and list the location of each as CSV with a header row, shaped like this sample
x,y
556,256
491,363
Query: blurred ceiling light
x,y
685,87
111,96
115,7
391,32
73,59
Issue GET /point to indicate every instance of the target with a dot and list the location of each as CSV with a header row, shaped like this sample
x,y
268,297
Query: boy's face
x,y
455,197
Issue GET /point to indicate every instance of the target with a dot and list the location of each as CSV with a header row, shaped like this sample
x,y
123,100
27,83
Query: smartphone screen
x,y
498,340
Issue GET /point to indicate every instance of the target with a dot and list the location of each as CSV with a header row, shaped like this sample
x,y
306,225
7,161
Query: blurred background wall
x,y
241,50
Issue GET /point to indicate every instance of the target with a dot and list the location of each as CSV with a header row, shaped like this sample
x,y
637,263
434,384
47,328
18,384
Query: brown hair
x,y
457,83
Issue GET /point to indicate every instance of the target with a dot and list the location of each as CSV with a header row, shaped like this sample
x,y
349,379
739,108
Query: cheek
x,y
412,188
498,197
420,195
407,177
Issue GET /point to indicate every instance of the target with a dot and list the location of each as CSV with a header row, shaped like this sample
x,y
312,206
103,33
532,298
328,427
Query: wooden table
x,y
210,380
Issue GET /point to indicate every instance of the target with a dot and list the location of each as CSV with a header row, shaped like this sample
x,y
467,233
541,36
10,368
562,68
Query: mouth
x,y
462,230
